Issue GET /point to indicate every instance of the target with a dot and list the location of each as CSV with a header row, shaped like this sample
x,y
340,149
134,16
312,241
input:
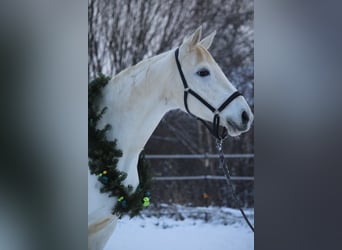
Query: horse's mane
x,y
139,67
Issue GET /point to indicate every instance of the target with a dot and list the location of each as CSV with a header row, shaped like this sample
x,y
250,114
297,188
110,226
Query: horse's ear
x,y
194,39
208,40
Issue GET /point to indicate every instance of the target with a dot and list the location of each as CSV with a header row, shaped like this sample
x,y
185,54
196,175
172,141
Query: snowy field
x,y
179,227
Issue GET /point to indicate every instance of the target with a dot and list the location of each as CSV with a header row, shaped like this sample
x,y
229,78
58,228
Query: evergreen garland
x,y
104,156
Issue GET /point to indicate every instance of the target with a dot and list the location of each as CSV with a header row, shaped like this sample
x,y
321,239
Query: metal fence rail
x,y
197,156
202,177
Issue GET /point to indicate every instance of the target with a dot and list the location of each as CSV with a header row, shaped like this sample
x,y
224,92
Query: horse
x,y
138,97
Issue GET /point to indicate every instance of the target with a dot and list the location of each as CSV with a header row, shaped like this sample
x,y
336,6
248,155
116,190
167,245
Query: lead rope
x,y
224,166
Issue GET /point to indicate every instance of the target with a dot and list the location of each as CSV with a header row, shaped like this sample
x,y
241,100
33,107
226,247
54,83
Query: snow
x,y
179,227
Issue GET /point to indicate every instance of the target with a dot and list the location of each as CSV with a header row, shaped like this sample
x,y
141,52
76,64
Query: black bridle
x,y
215,129
216,119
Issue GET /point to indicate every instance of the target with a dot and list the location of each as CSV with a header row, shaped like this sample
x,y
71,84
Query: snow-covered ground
x,y
179,227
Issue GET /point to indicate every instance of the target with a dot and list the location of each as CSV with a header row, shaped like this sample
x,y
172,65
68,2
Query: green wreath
x,y
103,158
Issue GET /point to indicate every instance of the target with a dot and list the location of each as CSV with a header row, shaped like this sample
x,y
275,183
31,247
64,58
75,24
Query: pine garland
x,y
104,156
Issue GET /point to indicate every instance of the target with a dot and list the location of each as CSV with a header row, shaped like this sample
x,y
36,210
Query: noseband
x,y
216,120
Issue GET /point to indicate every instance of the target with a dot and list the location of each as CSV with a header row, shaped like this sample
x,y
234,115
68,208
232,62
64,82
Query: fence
x,y
200,156
202,189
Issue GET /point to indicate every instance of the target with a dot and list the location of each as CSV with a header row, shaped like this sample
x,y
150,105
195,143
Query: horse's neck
x,y
137,99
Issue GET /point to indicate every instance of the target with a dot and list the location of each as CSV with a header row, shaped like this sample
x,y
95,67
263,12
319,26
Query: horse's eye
x,y
203,72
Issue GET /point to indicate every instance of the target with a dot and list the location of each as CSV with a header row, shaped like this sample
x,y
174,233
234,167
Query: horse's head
x,y
204,77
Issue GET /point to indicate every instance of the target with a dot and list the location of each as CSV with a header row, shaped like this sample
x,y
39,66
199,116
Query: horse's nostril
x,y
244,117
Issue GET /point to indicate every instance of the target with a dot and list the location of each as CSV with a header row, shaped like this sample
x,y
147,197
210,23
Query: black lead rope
x,y
215,128
224,166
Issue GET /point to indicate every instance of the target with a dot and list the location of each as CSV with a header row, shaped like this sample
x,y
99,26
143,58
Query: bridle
x,y
215,129
216,119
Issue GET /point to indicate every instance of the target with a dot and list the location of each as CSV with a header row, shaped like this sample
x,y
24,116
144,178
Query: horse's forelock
x,y
202,54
